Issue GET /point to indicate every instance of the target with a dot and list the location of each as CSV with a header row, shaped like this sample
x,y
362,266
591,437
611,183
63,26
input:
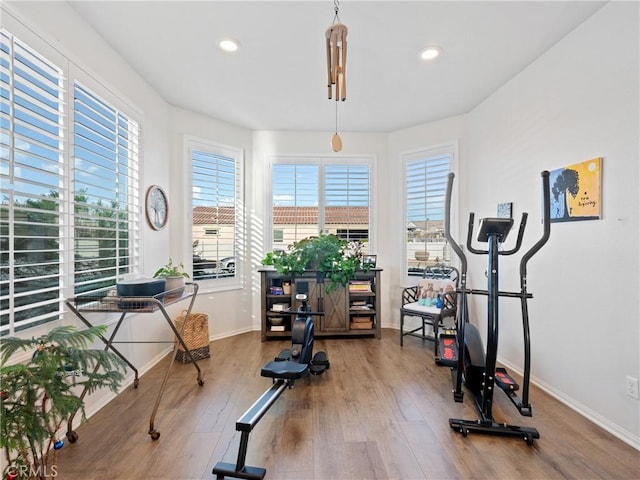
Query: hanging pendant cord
x,y
336,7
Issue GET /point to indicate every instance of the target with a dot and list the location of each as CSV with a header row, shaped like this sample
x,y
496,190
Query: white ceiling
x,y
277,81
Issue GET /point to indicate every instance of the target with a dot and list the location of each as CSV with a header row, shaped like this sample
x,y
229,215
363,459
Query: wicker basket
x,y
195,336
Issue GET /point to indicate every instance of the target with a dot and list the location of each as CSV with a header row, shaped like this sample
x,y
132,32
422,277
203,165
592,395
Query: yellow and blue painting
x,y
576,192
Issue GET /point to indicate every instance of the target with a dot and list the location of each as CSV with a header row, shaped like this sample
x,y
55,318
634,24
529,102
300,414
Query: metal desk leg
x,y
155,434
72,436
108,343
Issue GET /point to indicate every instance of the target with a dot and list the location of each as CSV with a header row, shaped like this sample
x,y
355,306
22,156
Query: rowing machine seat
x,y
287,370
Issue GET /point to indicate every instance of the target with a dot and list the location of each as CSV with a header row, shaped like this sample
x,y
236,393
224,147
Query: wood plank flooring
x,y
380,412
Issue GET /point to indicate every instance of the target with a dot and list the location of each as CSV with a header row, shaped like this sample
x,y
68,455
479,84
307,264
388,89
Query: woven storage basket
x,y
195,336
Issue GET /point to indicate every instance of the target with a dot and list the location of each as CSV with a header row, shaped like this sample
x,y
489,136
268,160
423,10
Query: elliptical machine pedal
x,y
447,349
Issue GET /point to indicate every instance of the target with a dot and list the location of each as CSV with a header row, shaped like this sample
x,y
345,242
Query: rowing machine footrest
x,y
319,363
287,370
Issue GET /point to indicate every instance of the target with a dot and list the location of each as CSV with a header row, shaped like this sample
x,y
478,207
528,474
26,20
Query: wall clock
x,y
157,207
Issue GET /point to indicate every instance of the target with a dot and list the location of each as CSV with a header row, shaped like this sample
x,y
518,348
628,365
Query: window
x,y
216,201
64,228
310,195
106,217
32,136
425,188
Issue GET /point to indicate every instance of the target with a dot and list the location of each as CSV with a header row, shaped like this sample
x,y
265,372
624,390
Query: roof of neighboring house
x,y
305,215
213,215
287,215
428,226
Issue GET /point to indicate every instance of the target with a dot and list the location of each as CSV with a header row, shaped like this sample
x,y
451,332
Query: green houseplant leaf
x,y
171,270
37,396
337,259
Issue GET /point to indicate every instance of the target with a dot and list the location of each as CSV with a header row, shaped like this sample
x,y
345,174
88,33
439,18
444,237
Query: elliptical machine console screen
x,y
499,227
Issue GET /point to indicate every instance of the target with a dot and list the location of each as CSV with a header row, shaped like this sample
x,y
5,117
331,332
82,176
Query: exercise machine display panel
x,y
499,227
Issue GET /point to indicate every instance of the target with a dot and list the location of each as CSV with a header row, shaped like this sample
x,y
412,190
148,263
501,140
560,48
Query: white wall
x,y
578,101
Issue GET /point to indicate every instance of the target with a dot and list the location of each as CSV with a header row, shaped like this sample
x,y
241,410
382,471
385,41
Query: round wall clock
x,y
157,207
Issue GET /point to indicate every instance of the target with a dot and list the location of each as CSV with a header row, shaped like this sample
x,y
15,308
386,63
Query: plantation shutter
x,y
346,201
31,221
106,205
216,185
426,184
295,207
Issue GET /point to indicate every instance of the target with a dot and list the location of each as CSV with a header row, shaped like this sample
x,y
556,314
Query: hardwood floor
x,y
380,412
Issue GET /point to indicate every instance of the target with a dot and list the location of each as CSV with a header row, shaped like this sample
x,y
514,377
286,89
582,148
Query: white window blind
x,y
69,220
346,197
314,195
217,211
425,189
32,100
106,214
295,200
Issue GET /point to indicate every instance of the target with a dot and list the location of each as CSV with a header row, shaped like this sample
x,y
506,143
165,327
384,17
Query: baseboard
x,y
591,415
232,333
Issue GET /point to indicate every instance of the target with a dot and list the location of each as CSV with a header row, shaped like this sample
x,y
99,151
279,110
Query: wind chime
x,y
336,39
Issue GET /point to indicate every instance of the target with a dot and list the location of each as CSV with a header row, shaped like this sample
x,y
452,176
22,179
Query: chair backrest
x,y
445,278
431,288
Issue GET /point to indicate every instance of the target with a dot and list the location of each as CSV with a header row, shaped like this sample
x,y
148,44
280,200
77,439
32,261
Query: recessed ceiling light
x,y
229,45
429,53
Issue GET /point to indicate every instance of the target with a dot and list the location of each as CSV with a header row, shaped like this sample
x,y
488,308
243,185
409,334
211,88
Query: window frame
x,y
134,191
439,150
192,143
72,74
321,160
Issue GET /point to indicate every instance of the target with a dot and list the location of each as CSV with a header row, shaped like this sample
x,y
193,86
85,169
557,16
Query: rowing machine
x,y
290,365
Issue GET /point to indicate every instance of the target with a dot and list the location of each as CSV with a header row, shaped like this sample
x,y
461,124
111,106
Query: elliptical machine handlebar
x,y
523,224
447,228
546,221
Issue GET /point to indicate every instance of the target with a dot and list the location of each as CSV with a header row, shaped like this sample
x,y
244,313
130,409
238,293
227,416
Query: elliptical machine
x,y
468,359
290,365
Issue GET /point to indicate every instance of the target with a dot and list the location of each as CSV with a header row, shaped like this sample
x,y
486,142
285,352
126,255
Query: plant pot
x,y
175,286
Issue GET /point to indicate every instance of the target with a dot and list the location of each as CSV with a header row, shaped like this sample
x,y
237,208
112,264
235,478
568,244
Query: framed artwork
x,y
576,191
505,210
157,207
369,260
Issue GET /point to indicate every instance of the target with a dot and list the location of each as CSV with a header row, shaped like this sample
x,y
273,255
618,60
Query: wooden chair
x,y
414,304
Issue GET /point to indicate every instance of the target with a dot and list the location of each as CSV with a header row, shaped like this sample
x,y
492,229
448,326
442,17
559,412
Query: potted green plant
x,y
337,260
38,396
174,274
